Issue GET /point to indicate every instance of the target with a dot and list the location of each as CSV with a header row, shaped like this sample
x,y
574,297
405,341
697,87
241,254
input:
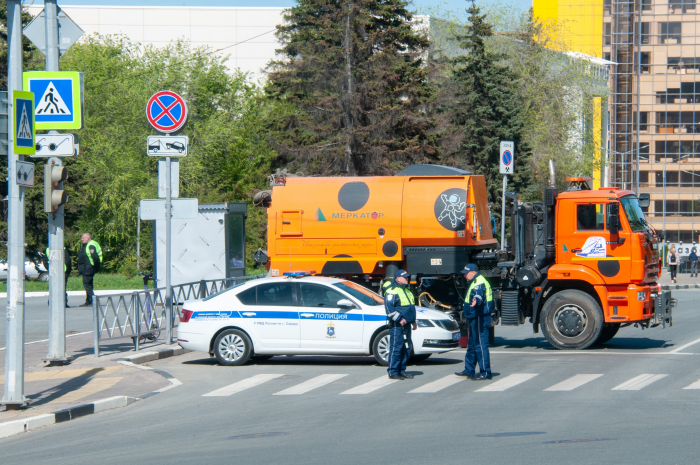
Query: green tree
x,y
355,89
228,156
487,108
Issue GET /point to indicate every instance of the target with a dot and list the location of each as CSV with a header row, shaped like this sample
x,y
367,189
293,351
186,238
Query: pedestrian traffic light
x,y
53,196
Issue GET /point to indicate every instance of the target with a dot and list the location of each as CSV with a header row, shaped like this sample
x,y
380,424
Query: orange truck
x,y
579,265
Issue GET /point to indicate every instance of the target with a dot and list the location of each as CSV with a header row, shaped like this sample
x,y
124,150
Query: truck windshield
x,y
365,296
634,213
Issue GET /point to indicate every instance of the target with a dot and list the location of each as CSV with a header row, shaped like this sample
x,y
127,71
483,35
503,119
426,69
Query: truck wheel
x,y
232,347
381,348
609,331
571,320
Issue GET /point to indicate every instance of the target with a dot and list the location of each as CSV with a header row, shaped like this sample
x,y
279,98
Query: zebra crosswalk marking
x,y
438,385
573,382
371,386
241,385
695,385
309,385
507,382
638,382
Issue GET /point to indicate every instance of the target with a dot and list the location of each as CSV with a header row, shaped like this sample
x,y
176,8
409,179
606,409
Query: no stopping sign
x,y
166,111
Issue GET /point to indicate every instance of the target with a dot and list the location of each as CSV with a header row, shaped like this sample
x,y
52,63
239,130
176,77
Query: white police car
x,y
302,316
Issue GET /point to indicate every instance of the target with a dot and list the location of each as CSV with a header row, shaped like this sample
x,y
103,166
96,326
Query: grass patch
x,y
75,283
102,282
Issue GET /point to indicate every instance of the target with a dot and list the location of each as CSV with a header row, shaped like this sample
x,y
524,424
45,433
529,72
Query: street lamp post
x,y
638,149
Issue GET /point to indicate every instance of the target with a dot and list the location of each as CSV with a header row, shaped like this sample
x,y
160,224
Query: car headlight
x,y
425,323
641,296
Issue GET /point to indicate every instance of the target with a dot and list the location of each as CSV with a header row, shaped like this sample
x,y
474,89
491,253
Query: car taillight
x,y
186,314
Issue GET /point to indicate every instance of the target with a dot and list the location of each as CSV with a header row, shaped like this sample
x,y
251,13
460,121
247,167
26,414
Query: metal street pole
x,y
638,8
14,353
57,283
168,289
664,217
503,214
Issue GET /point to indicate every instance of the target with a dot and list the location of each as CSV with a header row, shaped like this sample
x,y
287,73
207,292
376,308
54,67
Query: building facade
x,y
653,108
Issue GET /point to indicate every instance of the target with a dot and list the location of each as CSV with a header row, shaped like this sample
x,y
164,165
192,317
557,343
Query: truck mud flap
x,y
663,304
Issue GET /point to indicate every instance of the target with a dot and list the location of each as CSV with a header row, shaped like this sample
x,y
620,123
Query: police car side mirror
x,y
345,304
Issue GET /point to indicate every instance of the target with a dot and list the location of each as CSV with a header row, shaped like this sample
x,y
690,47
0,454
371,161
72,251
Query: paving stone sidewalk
x,y
85,379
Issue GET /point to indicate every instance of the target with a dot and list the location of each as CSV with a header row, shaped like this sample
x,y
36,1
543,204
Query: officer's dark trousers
x,y
87,284
398,353
478,348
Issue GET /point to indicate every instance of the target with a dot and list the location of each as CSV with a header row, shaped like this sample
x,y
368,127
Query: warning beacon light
x,y
53,196
298,274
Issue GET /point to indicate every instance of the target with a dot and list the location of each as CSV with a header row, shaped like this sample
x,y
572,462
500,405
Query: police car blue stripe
x,y
215,315
369,317
271,315
265,315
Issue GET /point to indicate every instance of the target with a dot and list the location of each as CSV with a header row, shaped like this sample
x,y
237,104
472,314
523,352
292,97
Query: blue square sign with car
x,y
303,316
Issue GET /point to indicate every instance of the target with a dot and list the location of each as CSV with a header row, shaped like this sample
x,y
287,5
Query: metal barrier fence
x,y
143,314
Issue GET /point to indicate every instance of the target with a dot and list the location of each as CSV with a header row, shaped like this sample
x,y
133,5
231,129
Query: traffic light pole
x,y
13,397
57,283
168,289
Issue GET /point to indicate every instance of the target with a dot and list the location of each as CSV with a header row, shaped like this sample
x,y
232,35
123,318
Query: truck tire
x,y
609,331
571,320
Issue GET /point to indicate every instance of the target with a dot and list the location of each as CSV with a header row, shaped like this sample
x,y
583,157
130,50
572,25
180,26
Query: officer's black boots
x,y
399,377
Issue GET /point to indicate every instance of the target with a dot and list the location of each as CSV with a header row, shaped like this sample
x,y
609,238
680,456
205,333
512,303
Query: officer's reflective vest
x,y
97,248
65,267
404,295
387,284
477,281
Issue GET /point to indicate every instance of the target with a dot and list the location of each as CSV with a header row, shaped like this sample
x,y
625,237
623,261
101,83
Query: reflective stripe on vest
x,y
65,267
97,249
477,281
405,296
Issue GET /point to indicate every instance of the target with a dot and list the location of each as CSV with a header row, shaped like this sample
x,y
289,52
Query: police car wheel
x,y
381,347
571,320
232,348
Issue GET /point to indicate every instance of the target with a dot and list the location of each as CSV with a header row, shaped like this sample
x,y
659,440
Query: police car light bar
x,y
298,274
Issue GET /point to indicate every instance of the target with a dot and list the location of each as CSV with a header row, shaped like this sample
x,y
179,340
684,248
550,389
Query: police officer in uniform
x,y
67,268
89,263
478,306
401,316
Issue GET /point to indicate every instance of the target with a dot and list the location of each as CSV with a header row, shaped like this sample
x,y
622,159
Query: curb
x,y
14,427
679,287
157,355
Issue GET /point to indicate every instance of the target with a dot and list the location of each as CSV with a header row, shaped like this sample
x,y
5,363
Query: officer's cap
x,y
470,267
401,274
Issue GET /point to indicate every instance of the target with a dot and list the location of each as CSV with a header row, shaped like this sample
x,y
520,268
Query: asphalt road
x,y
36,318
636,410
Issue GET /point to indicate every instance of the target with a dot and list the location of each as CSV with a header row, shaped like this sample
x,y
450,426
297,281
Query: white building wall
x,y
211,26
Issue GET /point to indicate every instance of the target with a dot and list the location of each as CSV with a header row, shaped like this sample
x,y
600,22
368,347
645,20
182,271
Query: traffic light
x,y
53,196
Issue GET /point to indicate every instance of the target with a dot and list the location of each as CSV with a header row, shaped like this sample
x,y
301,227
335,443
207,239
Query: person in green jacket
x,y
89,263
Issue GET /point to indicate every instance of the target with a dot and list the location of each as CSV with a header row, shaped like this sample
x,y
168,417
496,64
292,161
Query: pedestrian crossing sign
x,y
58,98
23,123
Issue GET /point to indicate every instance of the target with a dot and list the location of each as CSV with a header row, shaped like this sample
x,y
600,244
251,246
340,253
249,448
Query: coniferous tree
x,y
355,89
487,108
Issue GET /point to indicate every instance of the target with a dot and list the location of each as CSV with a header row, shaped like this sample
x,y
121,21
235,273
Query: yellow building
x,y
654,127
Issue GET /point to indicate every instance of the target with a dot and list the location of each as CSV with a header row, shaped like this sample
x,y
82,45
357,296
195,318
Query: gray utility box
x,y
212,246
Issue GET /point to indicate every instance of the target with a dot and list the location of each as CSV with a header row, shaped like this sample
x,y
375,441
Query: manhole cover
x,y
504,435
572,441
258,435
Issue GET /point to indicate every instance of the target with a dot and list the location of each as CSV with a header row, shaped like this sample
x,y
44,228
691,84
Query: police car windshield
x,y
222,291
362,294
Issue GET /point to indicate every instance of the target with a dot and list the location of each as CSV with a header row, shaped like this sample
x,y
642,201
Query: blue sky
x,y
446,4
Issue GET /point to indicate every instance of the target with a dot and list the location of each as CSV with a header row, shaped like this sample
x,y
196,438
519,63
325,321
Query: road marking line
x,y
64,374
438,385
573,382
241,385
638,382
695,385
371,386
93,386
46,340
309,385
675,351
507,382
583,352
